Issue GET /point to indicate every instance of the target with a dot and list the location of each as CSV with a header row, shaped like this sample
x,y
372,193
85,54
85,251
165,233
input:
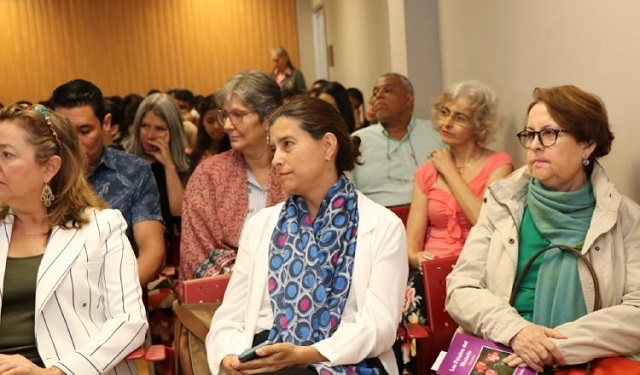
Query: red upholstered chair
x,y
146,357
436,336
402,211
205,290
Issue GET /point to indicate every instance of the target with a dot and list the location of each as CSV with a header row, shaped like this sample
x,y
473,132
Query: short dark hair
x,y
317,118
581,113
114,109
78,93
184,95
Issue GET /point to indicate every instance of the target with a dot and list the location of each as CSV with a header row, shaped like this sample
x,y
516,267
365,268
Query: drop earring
x,y
586,162
47,196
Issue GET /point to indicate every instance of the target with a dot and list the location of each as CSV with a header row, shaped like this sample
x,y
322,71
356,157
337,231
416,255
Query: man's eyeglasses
x,y
546,137
391,152
459,118
236,116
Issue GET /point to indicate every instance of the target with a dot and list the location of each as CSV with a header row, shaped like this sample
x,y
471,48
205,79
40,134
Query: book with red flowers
x,y
470,355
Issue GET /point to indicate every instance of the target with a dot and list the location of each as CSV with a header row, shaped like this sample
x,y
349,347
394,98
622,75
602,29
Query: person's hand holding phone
x,y
250,354
268,357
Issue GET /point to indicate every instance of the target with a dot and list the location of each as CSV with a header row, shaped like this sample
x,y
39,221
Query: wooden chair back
x,y
435,285
441,326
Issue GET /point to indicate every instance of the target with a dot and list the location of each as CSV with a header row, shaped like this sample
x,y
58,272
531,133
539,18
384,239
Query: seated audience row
x,y
307,270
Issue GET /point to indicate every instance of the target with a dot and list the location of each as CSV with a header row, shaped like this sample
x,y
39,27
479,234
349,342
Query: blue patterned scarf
x,y
310,267
562,218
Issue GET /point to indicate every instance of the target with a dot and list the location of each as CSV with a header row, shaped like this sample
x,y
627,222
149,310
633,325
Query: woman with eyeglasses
x,y
227,189
447,192
561,197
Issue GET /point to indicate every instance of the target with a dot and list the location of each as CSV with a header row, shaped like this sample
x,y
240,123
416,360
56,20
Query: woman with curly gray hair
x,y
448,189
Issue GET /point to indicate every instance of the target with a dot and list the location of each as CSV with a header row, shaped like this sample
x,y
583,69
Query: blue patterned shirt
x,y
125,181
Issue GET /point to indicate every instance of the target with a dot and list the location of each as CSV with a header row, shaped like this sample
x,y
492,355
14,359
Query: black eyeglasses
x,y
547,137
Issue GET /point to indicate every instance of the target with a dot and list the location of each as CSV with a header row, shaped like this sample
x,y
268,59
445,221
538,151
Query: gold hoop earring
x,y
47,196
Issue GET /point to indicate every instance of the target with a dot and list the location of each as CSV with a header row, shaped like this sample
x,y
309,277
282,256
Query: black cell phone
x,y
250,354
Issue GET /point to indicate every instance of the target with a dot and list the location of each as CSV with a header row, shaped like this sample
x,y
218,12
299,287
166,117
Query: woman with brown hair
x,y
562,197
71,300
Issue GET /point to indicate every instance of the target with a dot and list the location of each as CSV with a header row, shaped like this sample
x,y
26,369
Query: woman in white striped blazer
x,y
70,299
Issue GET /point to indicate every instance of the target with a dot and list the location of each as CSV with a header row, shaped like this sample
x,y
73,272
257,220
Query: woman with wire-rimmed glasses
x,y
447,192
226,189
561,198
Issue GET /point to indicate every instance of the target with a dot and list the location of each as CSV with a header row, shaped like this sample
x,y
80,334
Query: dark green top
x,y
530,242
17,320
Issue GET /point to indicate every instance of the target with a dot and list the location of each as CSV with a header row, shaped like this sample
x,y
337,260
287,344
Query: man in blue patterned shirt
x,y
123,180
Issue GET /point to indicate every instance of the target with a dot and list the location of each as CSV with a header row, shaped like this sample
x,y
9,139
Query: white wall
x,y
423,53
304,9
514,46
359,33
372,37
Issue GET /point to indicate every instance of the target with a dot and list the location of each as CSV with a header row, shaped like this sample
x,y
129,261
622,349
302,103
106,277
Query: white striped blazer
x,y
89,309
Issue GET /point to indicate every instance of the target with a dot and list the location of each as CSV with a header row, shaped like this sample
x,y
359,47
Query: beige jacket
x,y
479,287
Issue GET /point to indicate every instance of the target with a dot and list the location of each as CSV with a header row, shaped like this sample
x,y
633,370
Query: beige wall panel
x,y
359,33
515,46
129,46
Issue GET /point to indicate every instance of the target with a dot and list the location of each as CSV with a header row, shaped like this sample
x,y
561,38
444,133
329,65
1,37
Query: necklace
x,y
463,167
33,236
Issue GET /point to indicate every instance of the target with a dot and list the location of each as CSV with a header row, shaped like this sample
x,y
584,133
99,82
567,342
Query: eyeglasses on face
x,y
459,118
235,116
546,137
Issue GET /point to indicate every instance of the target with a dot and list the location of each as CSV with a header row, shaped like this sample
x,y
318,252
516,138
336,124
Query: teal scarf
x,y
561,218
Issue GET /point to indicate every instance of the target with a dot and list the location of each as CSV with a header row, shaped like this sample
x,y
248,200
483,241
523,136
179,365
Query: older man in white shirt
x,y
396,146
